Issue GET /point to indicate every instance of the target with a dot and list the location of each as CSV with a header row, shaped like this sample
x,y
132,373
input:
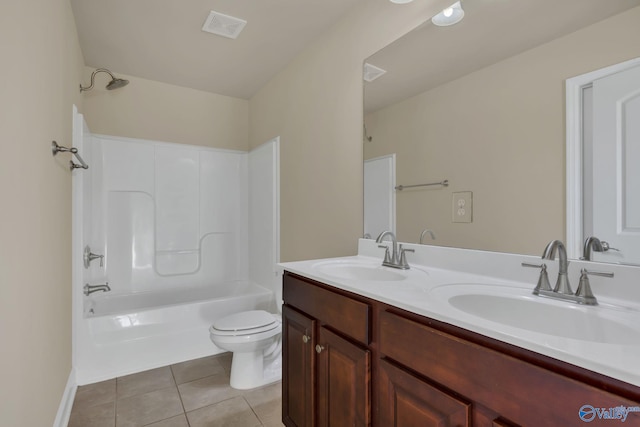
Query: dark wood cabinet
x,y
326,361
517,391
298,370
369,363
408,401
343,375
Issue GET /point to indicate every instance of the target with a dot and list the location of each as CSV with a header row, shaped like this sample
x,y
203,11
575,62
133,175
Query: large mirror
x,y
481,104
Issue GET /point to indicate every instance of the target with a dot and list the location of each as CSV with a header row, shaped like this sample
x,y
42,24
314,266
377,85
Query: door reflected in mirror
x,y
482,105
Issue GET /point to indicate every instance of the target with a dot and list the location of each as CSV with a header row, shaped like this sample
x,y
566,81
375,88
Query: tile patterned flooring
x,y
189,394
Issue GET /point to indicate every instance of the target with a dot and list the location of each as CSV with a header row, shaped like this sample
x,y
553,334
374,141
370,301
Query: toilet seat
x,y
245,323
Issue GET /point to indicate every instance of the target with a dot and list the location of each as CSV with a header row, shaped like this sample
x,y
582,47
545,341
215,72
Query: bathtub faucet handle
x,y
89,256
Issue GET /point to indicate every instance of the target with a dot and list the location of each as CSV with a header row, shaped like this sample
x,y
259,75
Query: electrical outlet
x,y
462,206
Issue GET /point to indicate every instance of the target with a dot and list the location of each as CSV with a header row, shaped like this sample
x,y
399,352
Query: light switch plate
x,y
462,206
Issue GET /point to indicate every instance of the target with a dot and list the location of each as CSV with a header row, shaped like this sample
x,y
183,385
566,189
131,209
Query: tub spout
x,y
89,289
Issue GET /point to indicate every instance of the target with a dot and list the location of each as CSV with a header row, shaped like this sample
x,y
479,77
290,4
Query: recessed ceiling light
x,y
451,15
400,1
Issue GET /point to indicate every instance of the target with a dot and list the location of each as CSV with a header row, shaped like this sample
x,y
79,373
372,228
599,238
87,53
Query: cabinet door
x,y
407,401
344,375
298,373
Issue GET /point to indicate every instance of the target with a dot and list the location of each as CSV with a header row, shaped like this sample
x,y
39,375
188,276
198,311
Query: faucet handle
x,y
387,257
543,280
403,258
527,264
606,247
584,292
89,256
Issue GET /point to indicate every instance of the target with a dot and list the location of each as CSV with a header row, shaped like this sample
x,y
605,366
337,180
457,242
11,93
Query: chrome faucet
x,y
424,232
393,258
562,284
89,289
397,258
563,291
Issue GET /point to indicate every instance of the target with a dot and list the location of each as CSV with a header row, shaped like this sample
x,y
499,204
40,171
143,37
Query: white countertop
x,y
426,287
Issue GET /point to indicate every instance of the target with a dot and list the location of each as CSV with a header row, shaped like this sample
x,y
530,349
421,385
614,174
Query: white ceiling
x,y
162,40
491,30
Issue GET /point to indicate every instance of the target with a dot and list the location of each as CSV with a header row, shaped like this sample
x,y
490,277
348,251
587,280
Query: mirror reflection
x,y
481,104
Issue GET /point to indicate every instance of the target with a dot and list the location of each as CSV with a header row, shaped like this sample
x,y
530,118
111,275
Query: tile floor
x,y
190,394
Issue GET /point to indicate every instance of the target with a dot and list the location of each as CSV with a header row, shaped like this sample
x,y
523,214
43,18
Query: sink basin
x,y
360,271
518,308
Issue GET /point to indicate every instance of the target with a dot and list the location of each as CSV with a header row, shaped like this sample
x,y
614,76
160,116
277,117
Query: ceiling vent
x,y
223,25
371,72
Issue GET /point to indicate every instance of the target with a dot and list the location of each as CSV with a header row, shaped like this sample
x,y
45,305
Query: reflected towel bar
x,y
402,187
55,149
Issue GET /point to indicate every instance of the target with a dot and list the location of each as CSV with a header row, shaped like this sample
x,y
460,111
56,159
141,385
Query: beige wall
x,y
162,112
500,133
315,106
41,68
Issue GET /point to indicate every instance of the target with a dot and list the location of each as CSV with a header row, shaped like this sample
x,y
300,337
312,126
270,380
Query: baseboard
x,y
64,410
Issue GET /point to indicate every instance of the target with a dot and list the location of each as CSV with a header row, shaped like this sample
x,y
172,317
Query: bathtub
x,y
172,222
128,333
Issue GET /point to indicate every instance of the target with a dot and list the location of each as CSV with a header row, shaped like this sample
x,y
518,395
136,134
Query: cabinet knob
x,y
306,339
319,348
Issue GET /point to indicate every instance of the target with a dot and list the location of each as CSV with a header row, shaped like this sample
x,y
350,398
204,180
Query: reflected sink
x,y
360,271
518,308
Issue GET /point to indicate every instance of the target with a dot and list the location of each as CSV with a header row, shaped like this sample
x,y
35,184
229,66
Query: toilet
x,y
254,337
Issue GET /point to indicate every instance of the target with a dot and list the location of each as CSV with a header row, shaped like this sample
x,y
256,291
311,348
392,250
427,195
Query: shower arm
x,y
93,76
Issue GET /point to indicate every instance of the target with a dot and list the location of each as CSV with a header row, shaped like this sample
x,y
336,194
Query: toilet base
x,y
257,368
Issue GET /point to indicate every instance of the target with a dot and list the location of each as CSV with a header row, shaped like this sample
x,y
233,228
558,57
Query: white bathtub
x,y
173,224
123,334
104,303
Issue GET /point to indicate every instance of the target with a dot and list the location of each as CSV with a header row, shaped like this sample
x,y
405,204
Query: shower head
x,y
115,82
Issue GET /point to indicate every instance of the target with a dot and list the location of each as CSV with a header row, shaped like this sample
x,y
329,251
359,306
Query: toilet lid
x,y
246,321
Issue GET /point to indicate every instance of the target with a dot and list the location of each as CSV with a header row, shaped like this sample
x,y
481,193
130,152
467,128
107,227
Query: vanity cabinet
x,y
298,370
406,400
503,388
383,366
326,359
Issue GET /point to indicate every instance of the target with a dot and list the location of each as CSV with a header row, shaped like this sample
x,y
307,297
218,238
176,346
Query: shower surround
x,y
173,223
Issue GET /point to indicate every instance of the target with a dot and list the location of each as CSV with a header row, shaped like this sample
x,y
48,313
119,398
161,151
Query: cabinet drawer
x,y
493,379
347,315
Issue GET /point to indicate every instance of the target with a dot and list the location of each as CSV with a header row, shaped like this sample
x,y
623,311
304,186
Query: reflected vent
x,y
371,72
223,25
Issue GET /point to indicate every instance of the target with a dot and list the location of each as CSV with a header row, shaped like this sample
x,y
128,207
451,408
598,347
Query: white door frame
x,y
392,195
574,103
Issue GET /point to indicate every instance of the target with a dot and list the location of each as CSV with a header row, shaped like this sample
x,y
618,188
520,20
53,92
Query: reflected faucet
x,y
562,284
592,243
426,231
